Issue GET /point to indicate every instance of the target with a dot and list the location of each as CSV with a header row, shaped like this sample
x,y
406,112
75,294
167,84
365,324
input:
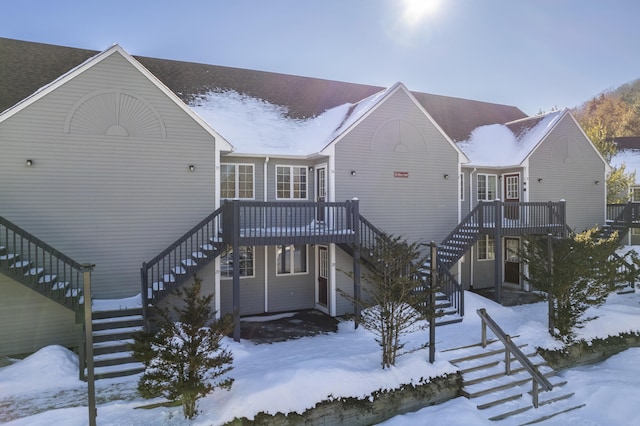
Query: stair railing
x,y
538,379
37,265
181,260
451,287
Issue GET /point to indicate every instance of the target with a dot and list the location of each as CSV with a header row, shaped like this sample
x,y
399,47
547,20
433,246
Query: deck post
x,y
235,244
355,213
87,268
563,216
497,248
433,288
550,307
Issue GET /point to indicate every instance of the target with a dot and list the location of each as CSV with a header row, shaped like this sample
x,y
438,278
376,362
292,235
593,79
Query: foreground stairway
x,y
507,398
113,334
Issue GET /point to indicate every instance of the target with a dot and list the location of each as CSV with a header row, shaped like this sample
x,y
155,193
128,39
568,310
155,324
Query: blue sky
x,y
534,54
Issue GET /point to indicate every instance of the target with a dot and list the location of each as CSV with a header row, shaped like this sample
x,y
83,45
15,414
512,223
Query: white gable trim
x,y
388,93
567,113
89,63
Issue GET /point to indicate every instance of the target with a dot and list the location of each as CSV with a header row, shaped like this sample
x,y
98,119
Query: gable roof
x,y
509,144
27,66
92,61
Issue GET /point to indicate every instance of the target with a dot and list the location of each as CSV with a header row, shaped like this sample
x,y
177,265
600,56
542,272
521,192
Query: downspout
x,y
331,186
216,205
525,198
265,248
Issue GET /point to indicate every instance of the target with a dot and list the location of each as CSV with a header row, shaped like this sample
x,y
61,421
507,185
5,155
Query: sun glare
x,y
416,10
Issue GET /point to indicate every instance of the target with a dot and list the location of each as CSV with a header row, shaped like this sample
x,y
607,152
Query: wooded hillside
x,y
612,114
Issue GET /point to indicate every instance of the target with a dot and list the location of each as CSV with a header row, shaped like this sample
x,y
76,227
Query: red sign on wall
x,y
401,174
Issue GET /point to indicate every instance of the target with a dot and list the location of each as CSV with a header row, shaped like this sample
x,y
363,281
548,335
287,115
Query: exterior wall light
x,y
446,176
597,182
353,172
539,179
29,163
192,168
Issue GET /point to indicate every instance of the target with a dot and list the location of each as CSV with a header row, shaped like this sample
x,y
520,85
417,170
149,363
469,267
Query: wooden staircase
x,y
181,260
113,335
508,398
35,264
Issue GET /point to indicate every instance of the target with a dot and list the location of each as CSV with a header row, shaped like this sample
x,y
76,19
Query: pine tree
x,y
184,359
582,275
393,295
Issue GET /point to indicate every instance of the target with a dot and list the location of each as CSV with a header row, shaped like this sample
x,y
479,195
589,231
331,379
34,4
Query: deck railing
x,y
624,214
181,260
289,222
451,287
521,217
39,266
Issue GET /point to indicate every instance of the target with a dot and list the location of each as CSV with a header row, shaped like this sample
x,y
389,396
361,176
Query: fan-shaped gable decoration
x,y
117,113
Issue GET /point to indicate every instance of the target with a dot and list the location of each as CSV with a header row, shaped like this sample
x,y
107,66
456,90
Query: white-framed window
x,y
291,182
635,195
237,181
487,187
291,259
486,248
246,263
512,187
461,186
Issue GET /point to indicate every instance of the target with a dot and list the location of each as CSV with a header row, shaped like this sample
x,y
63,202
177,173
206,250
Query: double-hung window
x,y
246,263
237,181
291,182
635,195
487,187
291,259
486,249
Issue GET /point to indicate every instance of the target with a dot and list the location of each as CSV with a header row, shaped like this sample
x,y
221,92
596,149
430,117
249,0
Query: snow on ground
x,y
43,389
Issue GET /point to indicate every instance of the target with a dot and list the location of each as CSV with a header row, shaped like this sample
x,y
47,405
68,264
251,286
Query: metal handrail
x,y
511,348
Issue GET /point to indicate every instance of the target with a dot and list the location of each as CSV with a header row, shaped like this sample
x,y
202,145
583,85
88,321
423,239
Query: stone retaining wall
x,y
583,353
378,407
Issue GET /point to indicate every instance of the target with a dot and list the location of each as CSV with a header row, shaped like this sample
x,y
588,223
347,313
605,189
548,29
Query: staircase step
x,y
112,371
117,323
9,257
34,272
515,380
116,358
484,354
21,265
450,319
188,263
47,279
549,416
111,347
198,255
119,334
528,407
116,313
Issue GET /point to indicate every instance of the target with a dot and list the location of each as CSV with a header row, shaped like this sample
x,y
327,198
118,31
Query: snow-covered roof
x,y
255,126
509,144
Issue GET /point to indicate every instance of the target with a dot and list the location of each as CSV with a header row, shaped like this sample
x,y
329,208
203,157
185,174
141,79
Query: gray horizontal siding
x,y
569,167
31,321
422,207
112,201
